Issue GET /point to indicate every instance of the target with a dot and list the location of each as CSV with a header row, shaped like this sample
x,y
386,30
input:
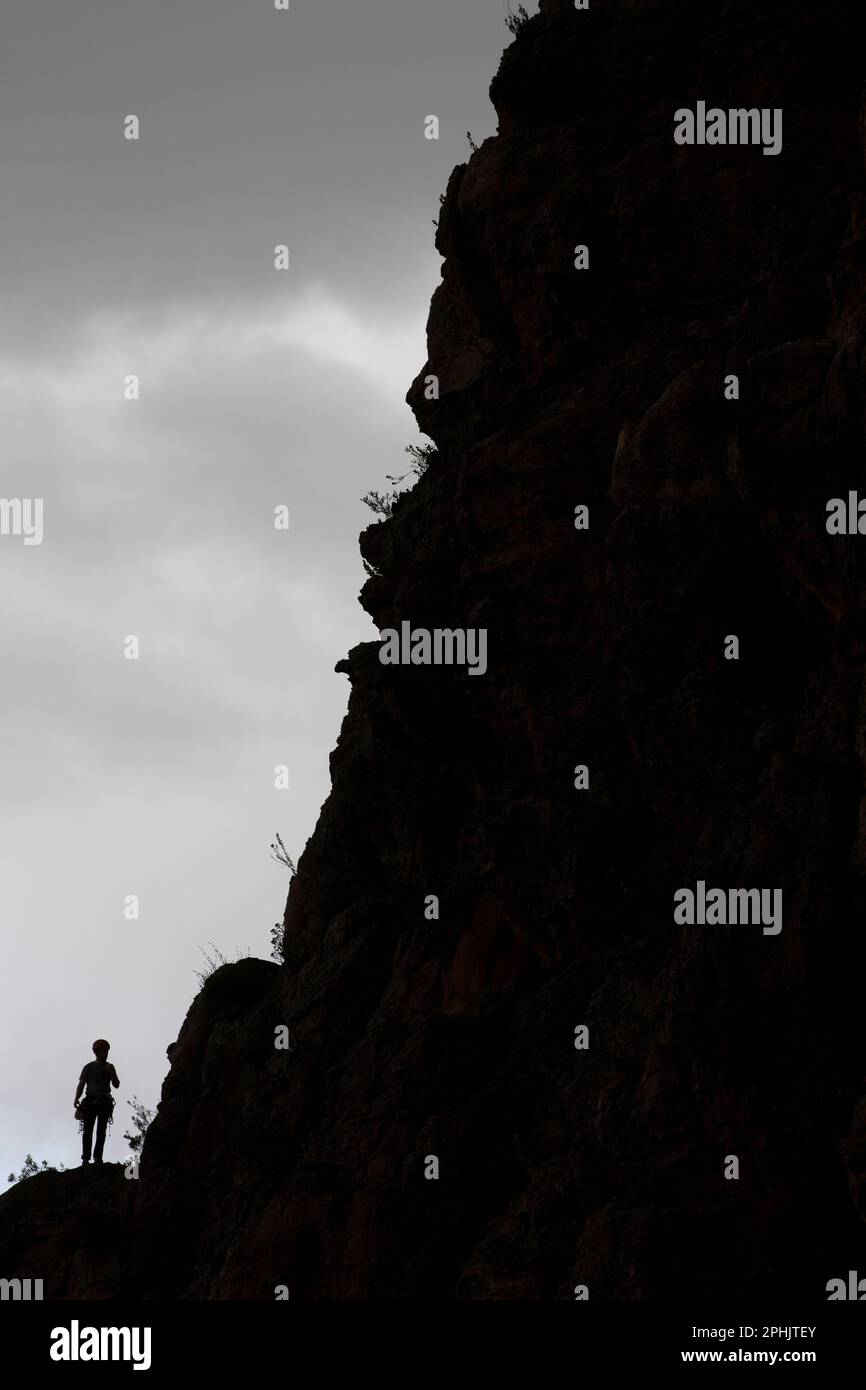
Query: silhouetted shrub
x,y
516,20
30,1168
141,1118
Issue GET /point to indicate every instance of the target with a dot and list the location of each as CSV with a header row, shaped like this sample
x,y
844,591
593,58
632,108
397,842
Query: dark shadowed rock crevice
x,y
455,1037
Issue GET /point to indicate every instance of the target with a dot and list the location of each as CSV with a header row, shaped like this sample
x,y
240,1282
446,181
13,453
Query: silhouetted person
x,y
98,1104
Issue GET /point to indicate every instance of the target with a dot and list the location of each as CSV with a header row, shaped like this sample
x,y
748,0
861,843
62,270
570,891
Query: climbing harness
x,y
94,1102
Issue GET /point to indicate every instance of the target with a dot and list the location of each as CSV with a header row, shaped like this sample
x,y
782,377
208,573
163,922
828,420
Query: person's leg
x,y
87,1133
101,1126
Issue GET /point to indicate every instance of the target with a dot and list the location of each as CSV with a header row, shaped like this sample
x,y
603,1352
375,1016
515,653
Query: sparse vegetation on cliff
x,y
516,20
216,961
141,1118
30,1168
382,503
281,855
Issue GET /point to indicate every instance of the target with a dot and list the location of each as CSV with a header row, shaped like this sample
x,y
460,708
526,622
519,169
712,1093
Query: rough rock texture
x,y
606,648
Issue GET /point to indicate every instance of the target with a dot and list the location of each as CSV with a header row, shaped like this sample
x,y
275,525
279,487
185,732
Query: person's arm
x,y
115,1079
79,1089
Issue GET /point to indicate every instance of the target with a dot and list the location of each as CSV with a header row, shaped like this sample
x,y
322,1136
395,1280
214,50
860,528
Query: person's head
x,y
100,1048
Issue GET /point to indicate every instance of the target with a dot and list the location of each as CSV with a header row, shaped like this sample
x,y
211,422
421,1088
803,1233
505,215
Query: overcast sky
x,y
258,388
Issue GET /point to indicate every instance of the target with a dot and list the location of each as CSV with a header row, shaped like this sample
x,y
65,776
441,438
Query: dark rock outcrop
x,y
454,1037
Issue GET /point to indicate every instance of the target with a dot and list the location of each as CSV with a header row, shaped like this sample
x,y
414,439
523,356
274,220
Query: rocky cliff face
x,y
411,1037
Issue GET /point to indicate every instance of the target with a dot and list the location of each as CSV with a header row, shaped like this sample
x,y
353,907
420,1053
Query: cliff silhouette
x,y
454,1037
